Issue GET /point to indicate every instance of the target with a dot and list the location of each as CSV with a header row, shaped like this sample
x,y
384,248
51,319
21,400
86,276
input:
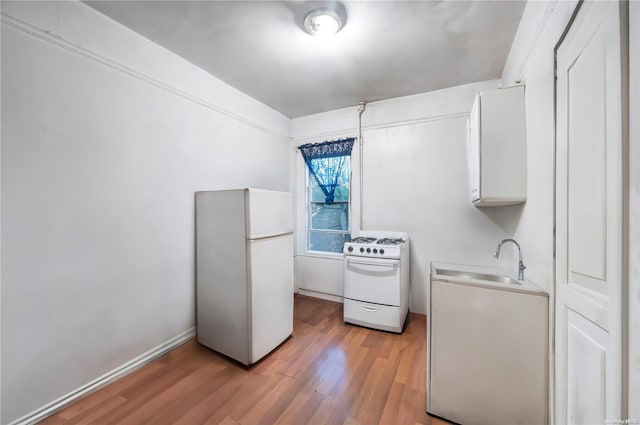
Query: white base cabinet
x,y
488,354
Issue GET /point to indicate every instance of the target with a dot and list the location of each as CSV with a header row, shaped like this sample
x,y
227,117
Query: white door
x,y
589,241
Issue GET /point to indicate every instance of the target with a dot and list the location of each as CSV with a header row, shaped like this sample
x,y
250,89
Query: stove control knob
x,y
381,251
368,250
375,250
350,249
361,249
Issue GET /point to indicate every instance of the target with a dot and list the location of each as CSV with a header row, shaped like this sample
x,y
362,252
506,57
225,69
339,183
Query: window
x,y
328,194
328,224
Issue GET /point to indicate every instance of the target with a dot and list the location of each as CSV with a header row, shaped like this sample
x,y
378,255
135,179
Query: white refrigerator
x,y
244,271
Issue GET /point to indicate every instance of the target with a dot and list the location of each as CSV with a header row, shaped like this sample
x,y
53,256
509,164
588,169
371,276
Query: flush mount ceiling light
x,y
323,22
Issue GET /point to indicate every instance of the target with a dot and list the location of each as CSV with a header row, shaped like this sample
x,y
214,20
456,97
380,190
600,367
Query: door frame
x,y
634,211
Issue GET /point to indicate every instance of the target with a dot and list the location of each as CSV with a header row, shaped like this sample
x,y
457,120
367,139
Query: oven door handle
x,y
374,262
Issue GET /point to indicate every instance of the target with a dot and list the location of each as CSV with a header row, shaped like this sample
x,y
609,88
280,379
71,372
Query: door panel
x,y
588,348
587,164
586,370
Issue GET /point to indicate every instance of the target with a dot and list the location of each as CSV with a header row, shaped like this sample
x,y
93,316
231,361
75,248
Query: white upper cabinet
x,y
496,148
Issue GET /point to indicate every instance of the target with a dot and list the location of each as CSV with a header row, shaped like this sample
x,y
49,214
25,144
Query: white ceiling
x,y
386,49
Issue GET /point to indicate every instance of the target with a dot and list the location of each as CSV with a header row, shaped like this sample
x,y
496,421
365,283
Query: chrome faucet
x,y
521,265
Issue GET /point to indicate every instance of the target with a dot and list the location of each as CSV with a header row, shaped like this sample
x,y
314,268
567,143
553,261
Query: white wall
x,y
531,61
105,138
415,180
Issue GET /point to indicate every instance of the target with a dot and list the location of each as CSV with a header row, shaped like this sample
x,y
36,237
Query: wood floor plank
x,y
270,407
148,408
182,403
407,365
300,409
115,388
328,372
392,404
225,421
219,401
417,378
323,412
368,407
255,392
96,414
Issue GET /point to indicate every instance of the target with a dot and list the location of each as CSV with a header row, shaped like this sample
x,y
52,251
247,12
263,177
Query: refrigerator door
x,y
271,277
269,213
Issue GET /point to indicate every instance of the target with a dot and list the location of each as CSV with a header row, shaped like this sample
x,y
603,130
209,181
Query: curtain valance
x,y
326,163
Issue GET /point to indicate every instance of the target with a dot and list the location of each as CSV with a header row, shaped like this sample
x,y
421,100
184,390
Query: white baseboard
x,y
321,295
106,379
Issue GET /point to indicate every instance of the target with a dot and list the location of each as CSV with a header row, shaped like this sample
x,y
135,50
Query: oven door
x,y
374,280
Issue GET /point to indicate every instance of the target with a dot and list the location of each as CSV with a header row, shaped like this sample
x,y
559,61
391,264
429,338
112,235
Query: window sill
x,y
324,255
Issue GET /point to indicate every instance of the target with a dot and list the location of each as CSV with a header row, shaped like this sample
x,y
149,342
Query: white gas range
x,y
376,280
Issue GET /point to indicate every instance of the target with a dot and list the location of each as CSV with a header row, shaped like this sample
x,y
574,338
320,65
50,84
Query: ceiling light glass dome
x,y
322,22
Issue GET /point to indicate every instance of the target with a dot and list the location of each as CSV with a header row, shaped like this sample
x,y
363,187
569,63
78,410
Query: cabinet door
x,y
473,150
488,355
589,217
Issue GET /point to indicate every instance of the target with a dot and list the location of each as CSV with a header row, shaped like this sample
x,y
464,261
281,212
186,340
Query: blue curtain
x,y
326,163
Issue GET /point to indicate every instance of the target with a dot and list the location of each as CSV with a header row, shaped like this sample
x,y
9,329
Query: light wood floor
x,y
327,373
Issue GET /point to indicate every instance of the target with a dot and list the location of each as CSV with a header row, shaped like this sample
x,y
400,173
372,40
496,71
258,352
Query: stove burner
x,y
390,241
362,239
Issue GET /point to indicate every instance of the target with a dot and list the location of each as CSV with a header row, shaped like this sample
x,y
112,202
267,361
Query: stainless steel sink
x,y
478,276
